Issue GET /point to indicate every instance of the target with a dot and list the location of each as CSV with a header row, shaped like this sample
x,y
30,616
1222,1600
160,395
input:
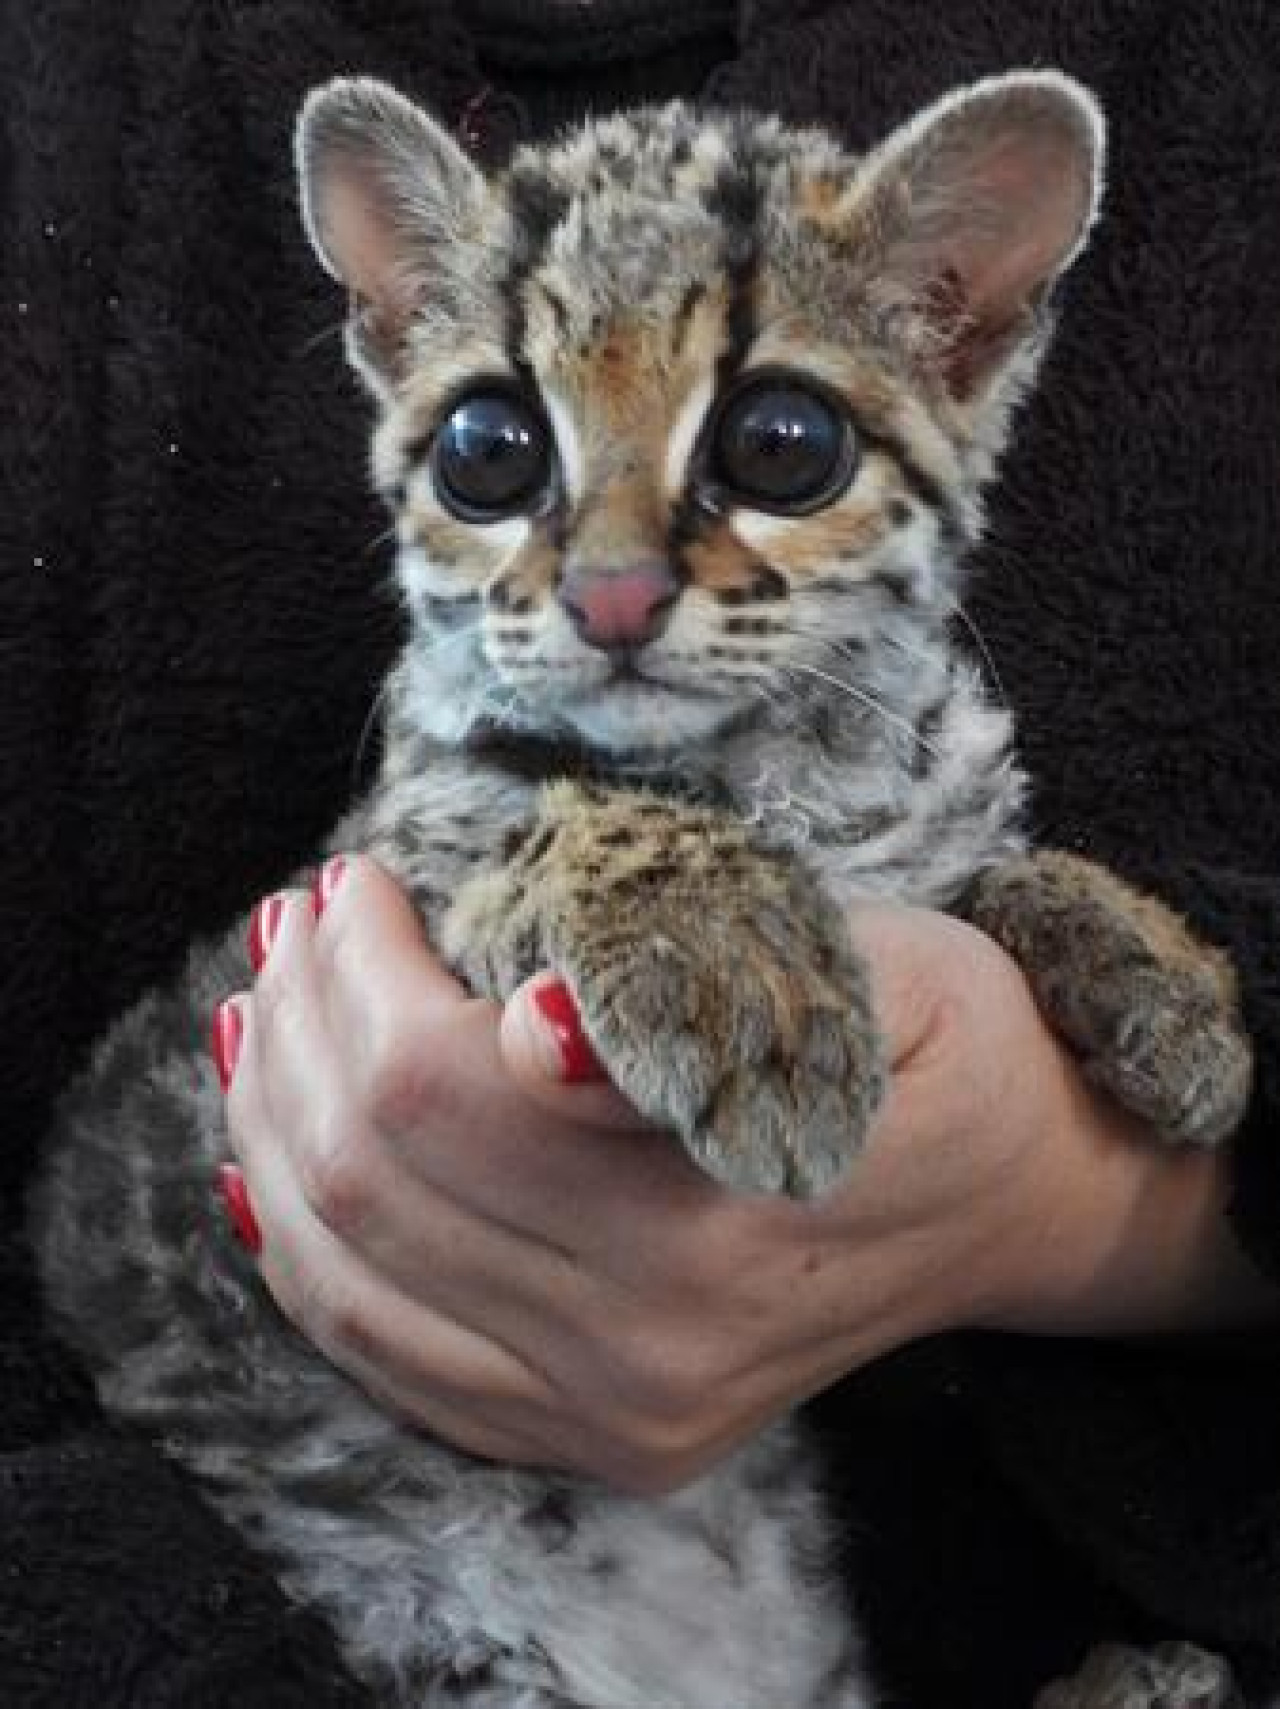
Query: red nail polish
x,y
235,1195
264,923
228,1028
330,877
555,1004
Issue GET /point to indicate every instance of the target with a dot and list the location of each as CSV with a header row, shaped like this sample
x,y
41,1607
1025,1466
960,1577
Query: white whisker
x,y
380,539
994,674
786,714
863,698
366,730
309,346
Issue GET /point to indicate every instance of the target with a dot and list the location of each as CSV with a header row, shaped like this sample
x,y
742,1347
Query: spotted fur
x,y
804,731
1170,1676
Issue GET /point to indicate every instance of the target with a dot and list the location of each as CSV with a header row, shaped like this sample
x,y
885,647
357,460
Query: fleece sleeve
x,y
1159,1463
1241,912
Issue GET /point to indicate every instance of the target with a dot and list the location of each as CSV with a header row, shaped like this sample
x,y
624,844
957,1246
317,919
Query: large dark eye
x,y
490,457
780,446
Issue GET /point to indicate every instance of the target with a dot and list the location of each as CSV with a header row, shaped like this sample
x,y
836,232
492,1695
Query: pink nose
x,y
619,608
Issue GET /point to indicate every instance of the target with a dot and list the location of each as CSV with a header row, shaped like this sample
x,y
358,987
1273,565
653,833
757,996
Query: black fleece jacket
x,y
193,622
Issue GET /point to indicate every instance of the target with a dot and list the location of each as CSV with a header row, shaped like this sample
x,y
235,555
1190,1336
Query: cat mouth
x,y
626,667
629,673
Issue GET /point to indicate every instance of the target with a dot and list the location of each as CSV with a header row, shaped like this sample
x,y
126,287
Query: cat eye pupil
x,y
490,457
782,446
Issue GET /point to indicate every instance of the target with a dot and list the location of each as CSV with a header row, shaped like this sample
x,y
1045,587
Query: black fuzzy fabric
x,y
195,617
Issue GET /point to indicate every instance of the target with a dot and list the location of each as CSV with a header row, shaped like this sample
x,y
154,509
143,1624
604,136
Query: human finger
x,y
548,1055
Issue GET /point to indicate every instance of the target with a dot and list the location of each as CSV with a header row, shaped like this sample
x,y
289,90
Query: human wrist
x,y
1126,1236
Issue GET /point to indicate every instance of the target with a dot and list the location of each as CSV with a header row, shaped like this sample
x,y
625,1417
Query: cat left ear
x,y
977,206
388,198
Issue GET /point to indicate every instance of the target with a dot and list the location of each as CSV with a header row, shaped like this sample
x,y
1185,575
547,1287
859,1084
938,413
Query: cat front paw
x,y
719,988
769,1070
715,982
1171,1676
1150,1010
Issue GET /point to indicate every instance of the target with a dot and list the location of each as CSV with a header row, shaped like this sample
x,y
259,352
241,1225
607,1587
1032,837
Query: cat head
x,y
684,410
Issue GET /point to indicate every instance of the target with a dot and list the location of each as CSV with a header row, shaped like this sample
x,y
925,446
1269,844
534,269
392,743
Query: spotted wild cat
x,y
684,421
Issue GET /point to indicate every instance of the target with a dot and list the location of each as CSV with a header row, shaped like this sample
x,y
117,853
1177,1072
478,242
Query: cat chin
x,y
627,716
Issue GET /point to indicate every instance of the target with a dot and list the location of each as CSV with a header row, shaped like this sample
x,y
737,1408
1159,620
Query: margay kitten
x,y
684,421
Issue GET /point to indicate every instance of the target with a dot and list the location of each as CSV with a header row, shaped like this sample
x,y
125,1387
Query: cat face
x,y
683,411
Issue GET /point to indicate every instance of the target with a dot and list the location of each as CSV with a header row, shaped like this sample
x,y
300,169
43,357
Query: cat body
x,y
684,421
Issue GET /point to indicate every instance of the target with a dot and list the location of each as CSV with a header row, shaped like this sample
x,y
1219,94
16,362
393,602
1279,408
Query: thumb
x,y
926,969
547,1053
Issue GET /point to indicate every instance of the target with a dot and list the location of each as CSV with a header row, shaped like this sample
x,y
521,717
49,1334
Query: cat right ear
x,y
388,200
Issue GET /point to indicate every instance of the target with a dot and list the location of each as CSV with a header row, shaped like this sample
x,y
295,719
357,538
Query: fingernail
x,y
264,923
325,885
578,1062
228,1028
235,1195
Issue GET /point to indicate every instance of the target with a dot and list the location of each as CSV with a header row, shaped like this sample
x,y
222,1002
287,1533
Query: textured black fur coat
x,y
192,627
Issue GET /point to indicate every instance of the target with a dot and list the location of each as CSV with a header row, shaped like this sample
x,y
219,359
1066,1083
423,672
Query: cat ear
x,y
977,205
388,198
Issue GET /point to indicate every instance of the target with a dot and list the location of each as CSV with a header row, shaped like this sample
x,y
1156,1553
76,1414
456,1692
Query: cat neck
x,y
536,757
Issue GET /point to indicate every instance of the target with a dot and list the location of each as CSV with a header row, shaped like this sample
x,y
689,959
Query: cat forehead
x,y
635,215
672,158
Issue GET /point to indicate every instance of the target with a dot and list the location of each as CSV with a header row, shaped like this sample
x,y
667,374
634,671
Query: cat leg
x,y
716,982
1151,1011
1171,1676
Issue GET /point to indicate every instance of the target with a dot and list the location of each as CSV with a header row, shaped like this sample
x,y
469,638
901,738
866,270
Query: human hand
x,y
510,1258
